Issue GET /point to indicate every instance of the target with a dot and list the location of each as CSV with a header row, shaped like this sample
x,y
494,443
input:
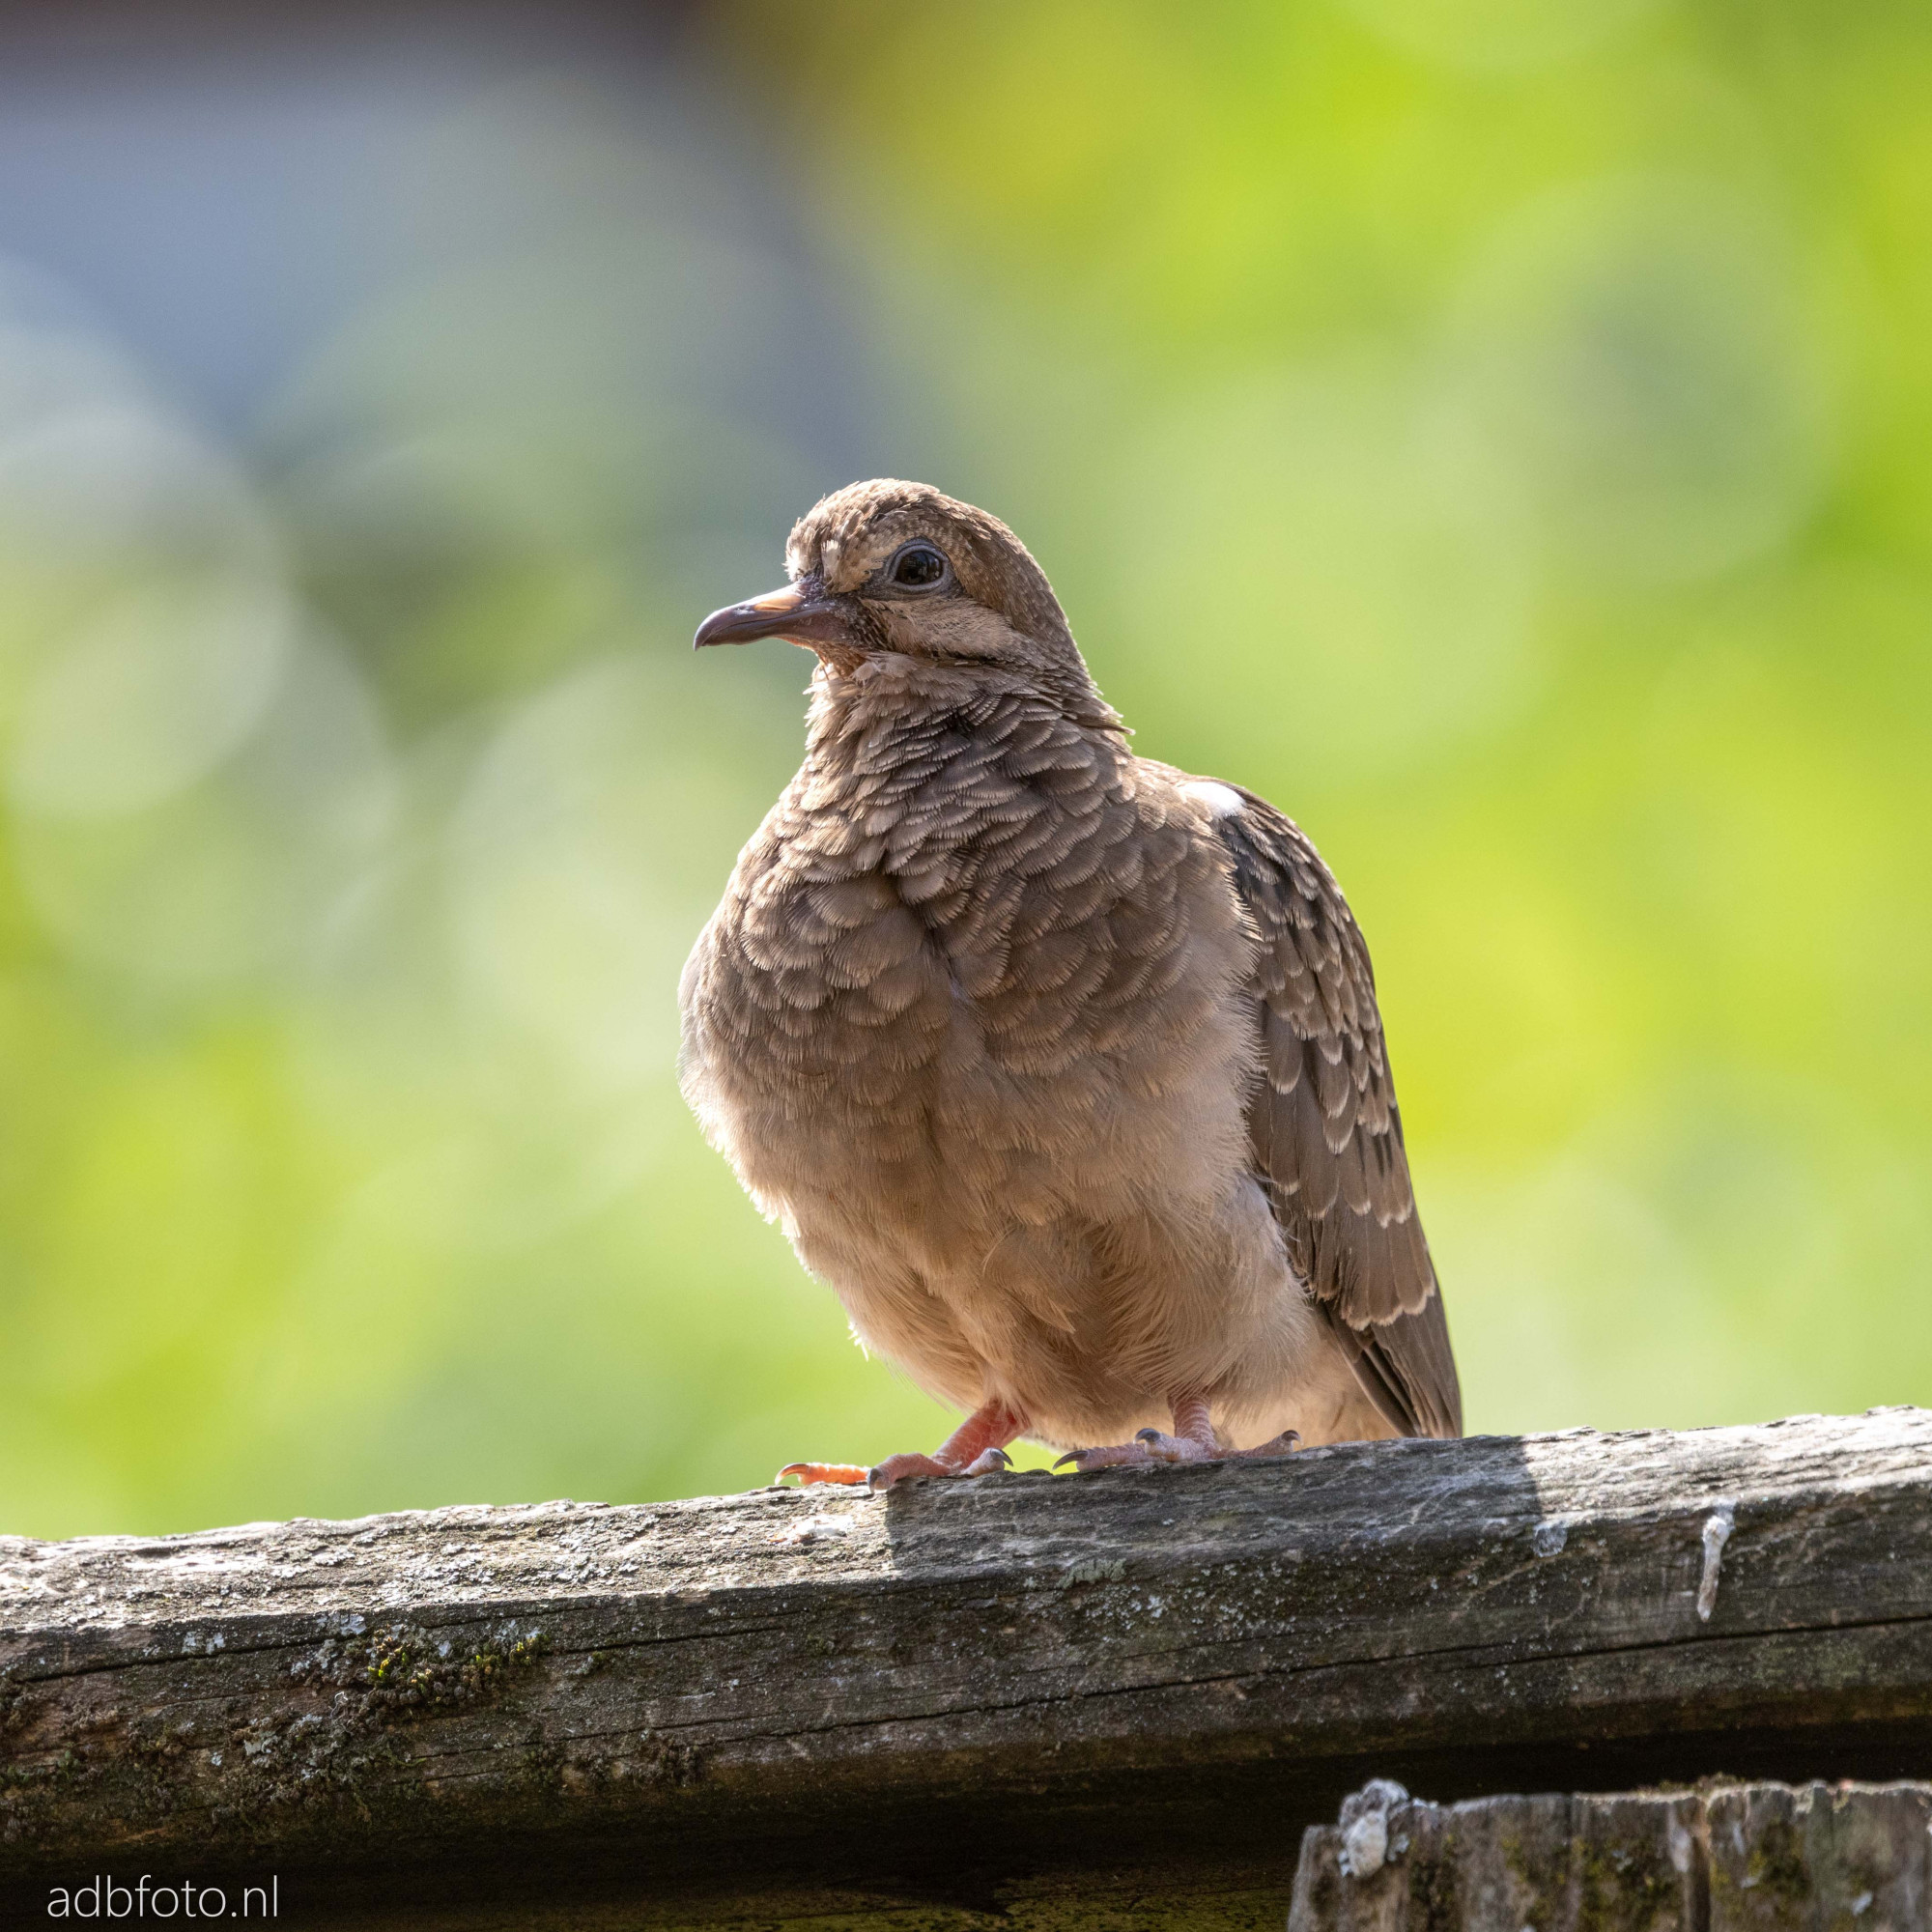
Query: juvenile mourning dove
x,y
1061,1067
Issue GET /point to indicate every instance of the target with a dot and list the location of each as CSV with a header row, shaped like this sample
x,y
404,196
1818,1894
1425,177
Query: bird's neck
x,y
893,707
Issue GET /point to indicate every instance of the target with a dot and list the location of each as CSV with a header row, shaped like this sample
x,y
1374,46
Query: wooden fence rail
x,y
1723,1858
1024,1700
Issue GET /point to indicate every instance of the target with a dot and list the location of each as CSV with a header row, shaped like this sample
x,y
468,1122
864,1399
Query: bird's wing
x,y
1325,1130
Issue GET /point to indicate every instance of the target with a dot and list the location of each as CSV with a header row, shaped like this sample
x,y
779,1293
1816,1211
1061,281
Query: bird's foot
x,y
1115,1456
1149,1445
822,1472
1161,1447
903,1468
1156,1445
906,1468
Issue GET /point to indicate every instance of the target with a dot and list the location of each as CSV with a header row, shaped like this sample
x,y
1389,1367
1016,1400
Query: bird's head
x,y
898,570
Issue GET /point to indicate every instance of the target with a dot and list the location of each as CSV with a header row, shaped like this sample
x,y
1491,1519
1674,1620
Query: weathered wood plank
x,y
1727,1857
833,1701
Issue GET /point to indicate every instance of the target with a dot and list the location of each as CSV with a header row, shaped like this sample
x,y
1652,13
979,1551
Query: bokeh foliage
x,y
1498,433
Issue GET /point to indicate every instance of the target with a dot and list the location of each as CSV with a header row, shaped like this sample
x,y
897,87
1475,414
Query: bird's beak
x,y
780,613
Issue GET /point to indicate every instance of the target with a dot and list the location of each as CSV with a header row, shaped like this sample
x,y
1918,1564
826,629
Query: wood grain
x,y
1726,1857
959,1696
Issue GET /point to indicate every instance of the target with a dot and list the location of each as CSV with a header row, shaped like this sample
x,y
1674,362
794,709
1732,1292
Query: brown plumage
x,y
1062,1068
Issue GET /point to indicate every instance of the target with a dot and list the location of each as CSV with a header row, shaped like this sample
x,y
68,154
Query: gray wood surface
x,y
1028,1694
1726,1857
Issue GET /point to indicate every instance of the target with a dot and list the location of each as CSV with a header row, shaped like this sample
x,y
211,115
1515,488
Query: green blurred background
x,y
1500,431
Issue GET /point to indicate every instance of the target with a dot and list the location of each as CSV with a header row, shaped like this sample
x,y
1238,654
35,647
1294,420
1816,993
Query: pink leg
x,y
976,1448
1193,1441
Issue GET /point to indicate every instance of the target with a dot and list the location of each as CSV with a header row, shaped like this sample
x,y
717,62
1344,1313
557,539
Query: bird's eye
x,y
918,567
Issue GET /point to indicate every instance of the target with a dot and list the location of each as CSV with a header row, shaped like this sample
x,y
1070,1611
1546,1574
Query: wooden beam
x,y
961,1694
1726,1857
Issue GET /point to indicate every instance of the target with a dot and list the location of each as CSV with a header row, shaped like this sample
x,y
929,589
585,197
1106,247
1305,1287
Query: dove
x,y
1061,1067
